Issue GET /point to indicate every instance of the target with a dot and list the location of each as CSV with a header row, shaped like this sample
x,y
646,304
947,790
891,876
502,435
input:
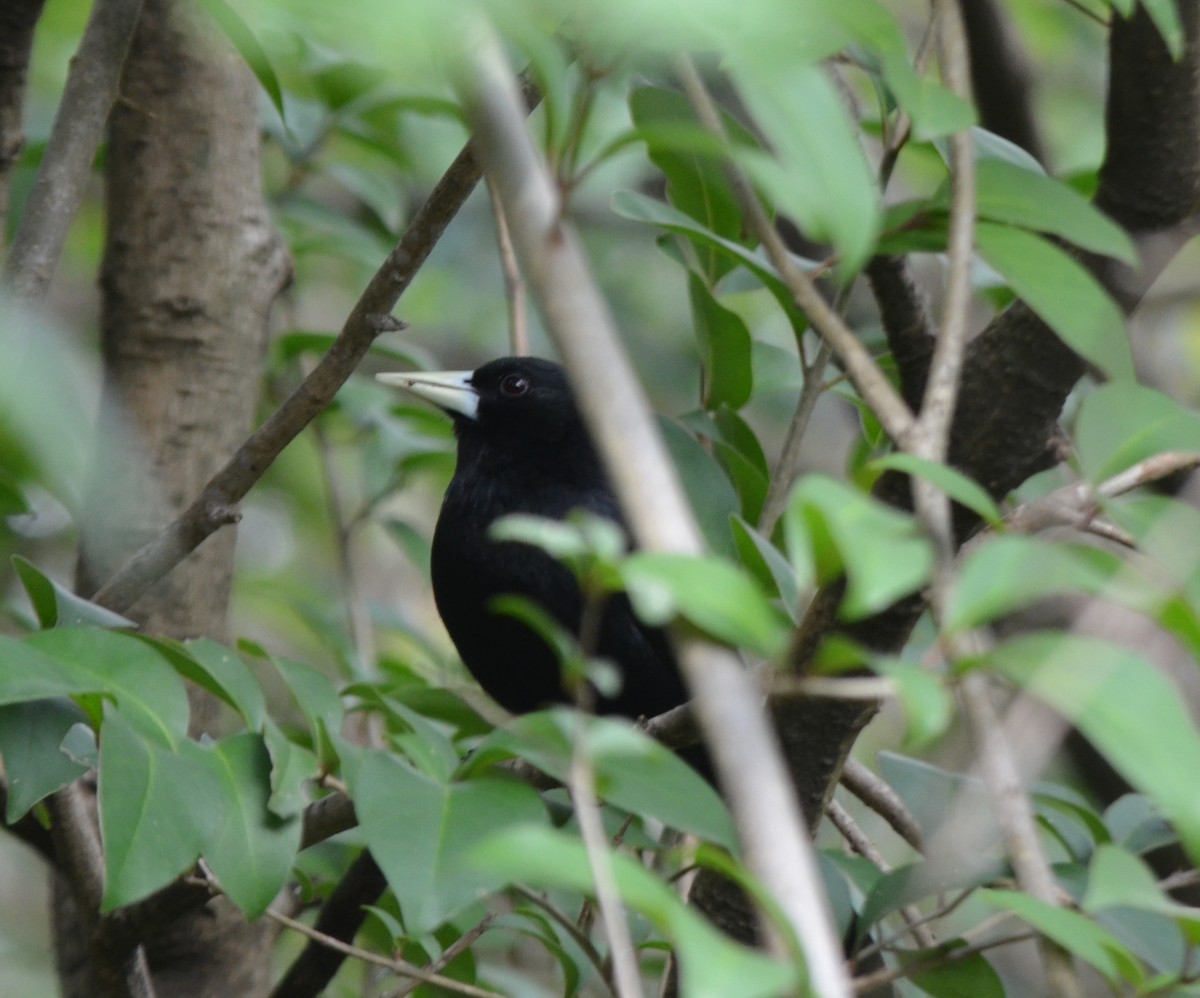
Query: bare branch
x,y
883,800
401,967
58,189
514,285
730,712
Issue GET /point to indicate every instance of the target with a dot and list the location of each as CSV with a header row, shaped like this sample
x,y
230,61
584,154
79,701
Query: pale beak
x,y
449,390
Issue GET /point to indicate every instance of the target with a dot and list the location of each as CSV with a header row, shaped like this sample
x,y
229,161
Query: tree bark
x,y
191,267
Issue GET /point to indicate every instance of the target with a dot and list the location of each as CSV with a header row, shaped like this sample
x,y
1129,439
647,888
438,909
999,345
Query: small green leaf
x,y
1108,692
57,606
818,173
711,965
242,39
832,529
1123,423
1028,198
253,849
1074,932
633,771
31,736
219,670
119,665
972,977
709,593
421,832
292,766
696,183
157,810
769,566
1009,572
708,489
1068,298
725,344
963,490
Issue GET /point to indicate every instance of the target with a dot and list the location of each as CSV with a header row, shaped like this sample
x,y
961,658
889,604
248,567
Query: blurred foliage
x,y
331,603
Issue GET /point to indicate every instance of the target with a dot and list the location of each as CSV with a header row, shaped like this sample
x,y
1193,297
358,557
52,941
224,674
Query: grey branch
x,y
62,179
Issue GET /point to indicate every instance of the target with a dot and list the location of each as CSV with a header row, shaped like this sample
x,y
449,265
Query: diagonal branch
x,y
58,190
215,506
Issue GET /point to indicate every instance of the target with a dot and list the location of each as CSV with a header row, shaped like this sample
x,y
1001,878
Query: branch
x,y
121,973
862,370
341,916
402,967
371,315
17,21
61,181
1000,75
878,795
746,756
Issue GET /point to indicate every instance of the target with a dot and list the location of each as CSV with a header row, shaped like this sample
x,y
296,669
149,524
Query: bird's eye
x,y
513,386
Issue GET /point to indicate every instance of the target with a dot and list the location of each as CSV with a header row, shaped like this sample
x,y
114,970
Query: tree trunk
x,y
191,267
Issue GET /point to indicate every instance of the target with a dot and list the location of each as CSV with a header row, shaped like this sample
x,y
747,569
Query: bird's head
x,y
524,398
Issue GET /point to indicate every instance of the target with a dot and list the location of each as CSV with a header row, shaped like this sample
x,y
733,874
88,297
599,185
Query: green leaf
x,y
56,606
696,183
832,529
909,884
633,771
768,565
1121,424
31,736
639,208
818,173
709,593
1028,198
253,849
1118,879
963,490
711,965
131,671
972,977
292,766
157,810
1008,572
1135,824
1109,692
1165,15
421,832
219,670
927,704
930,793
1068,298
712,497
242,39
317,699
1074,932
724,341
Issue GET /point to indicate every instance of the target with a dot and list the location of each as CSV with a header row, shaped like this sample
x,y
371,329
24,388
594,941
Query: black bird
x,y
524,448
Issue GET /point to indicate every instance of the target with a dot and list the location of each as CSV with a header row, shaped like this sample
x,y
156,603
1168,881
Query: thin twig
x,y
865,374
746,754
931,438
449,954
626,973
787,469
868,983
579,938
401,967
879,796
61,181
514,284
844,822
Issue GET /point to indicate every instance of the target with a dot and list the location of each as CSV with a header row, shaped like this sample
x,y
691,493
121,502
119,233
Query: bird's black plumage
x,y
524,448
